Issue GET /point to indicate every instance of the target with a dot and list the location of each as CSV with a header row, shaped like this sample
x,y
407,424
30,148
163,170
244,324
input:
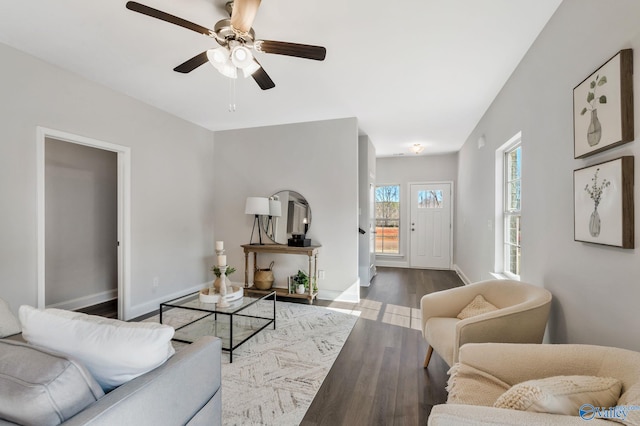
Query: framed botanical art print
x,y
603,203
603,107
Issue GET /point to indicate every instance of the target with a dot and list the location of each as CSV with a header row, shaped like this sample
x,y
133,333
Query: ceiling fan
x,y
237,41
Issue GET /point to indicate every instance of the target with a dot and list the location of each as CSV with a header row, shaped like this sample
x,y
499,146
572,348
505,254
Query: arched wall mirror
x,y
290,214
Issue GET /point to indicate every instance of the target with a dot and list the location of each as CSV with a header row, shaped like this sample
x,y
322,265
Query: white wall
x,y
317,159
595,288
407,170
171,189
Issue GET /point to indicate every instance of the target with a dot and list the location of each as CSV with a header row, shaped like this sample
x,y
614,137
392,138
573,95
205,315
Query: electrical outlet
x,y
321,274
156,282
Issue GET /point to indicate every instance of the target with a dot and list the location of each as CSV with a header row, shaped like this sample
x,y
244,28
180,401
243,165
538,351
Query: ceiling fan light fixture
x,y
251,68
241,57
218,57
228,70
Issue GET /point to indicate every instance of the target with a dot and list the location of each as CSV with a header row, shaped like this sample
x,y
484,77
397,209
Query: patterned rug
x,y
276,374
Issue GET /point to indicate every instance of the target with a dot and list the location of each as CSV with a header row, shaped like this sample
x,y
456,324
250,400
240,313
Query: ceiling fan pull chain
x,y
232,95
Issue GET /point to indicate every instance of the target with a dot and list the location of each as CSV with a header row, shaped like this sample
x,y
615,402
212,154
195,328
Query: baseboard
x,y
154,305
84,301
392,264
461,274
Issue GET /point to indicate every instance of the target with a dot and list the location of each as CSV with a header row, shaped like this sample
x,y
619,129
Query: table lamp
x,y
257,206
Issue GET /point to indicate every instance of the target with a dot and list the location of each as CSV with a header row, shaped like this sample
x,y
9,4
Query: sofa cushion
x,y
113,351
42,387
561,394
477,306
8,322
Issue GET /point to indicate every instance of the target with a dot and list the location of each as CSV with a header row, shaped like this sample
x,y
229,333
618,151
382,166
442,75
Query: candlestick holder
x,y
222,301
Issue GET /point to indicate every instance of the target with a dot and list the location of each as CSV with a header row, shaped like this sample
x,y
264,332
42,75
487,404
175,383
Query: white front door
x,y
431,226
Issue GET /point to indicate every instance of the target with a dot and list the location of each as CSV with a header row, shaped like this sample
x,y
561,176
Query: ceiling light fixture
x,y
227,62
417,148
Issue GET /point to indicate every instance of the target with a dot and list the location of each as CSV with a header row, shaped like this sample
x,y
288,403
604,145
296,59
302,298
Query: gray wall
x,y
172,178
81,224
406,170
595,288
317,159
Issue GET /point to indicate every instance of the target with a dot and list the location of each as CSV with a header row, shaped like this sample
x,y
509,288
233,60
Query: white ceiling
x,y
411,71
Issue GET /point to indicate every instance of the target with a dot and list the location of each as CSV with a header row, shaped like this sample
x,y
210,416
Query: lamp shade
x,y
257,205
275,208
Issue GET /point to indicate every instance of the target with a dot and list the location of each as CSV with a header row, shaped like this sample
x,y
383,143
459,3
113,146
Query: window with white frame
x,y
511,214
387,207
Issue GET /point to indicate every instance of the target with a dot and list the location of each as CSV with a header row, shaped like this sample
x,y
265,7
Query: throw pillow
x,y
561,394
478,306
113,351
42,387
8,322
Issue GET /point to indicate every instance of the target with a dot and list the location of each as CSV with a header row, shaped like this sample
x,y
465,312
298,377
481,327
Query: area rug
x,y
276,374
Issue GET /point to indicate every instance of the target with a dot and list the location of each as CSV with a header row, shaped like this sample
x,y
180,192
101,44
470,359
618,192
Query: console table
x,y
310,251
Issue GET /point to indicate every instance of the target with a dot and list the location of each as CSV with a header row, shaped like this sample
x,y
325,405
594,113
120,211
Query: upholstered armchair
x,y
521,316
486,370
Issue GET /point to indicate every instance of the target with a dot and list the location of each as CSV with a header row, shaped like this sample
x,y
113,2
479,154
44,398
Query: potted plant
x,y
216,271
301,283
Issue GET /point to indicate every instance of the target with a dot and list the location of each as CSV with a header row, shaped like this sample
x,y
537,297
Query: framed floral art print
x,y
603,107
603,203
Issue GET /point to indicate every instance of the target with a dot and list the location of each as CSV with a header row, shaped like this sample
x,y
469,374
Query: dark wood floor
x,y
378,378
107,309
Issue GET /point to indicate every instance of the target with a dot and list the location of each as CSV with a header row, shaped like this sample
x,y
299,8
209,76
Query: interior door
x,y
431,226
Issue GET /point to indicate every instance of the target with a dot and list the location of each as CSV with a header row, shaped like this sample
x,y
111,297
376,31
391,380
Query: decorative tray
x,y
233,293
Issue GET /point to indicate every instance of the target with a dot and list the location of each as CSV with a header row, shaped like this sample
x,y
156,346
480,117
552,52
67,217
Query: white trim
x,y
499,276
400,263
499,254
461,274
124,212
452,199
83,302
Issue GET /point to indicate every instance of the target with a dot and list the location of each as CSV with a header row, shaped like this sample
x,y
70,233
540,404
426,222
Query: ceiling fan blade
x,y
192,63
262,78
243,14
158,14
306,51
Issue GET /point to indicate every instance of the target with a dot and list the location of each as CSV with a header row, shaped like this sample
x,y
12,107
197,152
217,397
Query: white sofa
x,y
471,397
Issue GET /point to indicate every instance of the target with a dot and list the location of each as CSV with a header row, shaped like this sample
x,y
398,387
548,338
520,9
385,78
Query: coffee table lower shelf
x,y
282,292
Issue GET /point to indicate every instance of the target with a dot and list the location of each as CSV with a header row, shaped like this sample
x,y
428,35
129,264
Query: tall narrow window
x,y
388,219
511,212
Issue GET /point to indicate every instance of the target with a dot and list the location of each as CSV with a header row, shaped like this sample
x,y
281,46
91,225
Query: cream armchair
x,y
523,310
472,395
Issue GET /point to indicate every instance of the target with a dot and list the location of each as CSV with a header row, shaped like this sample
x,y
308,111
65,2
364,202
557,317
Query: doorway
x,y
83,221
431,217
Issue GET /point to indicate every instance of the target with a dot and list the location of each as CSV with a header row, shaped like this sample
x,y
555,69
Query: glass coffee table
x,y
234,325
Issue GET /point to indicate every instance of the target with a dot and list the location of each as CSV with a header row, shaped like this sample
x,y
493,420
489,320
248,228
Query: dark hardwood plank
x,y
378,378
108,309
